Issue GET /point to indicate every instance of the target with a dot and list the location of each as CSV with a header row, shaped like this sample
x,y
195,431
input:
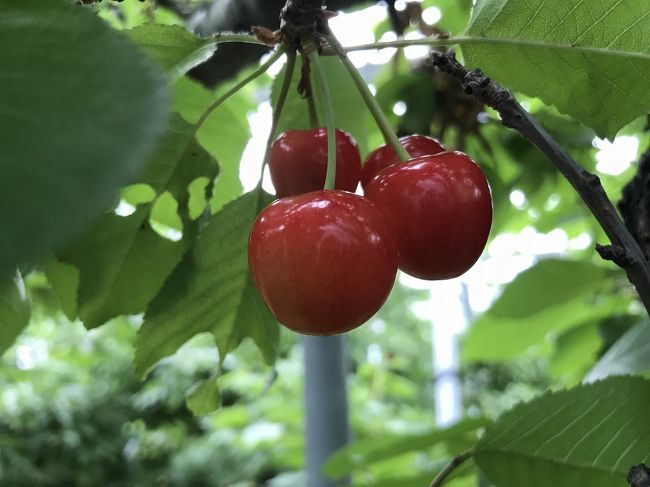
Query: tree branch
x,y
455,462
639,476
625,250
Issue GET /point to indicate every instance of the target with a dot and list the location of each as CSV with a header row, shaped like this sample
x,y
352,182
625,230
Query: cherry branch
x,y
455,462
624,249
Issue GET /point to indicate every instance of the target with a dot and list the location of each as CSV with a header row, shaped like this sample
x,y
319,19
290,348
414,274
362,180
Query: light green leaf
x,y
350,112
80,109
629,355
575,352
204,397
15,311
123,262
224,134
362,453
176,49
589,435
211,291
552,296
589,59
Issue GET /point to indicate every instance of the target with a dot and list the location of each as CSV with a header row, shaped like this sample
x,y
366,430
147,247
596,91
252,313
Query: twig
x,y
455,462
625,250
639,476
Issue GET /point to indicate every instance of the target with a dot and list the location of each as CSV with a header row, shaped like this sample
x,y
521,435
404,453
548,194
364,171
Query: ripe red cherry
x,y
298,162
441,209
324,262
415,145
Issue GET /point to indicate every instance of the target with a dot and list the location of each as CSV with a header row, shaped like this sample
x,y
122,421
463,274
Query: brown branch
x,y
455,462
625,250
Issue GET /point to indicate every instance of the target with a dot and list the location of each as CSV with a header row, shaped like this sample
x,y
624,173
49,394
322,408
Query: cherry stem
x,y
328,111
254,75
455,462
384,126
311,104
279,106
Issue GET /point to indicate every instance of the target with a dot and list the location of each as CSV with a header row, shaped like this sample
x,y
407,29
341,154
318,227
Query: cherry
x,y
441,209
324,262
384,156
298,162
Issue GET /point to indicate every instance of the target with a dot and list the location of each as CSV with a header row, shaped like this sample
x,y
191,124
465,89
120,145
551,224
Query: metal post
x,y
326,404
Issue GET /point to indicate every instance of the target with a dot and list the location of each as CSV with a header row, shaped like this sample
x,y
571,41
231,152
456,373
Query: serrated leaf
x,y
362,453
629,355
224,134
81,108
15,311
553,295
589,59
211,291
349,108
175,48
122,261
589,435
204,397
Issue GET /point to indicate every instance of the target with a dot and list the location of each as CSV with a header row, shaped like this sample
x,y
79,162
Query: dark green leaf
x,y
81,108
211,291
64,279
589,435
589,59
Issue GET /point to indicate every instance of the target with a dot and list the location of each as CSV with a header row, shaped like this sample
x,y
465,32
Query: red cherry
x,y
415,145
441,209
324,262
298,162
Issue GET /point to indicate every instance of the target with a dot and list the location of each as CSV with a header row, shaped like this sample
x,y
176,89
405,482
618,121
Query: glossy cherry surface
x,y
298,162
441,209
324,262
384,156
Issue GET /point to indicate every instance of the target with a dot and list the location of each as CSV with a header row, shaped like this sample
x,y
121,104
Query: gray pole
x,y
326,404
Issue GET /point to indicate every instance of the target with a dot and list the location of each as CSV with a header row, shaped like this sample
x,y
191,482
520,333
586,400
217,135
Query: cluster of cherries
x,y
324,261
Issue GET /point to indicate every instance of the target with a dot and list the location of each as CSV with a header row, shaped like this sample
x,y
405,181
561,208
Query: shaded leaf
x,y
593,57
93,128
588,435
15,311
64,279
211,291
204,397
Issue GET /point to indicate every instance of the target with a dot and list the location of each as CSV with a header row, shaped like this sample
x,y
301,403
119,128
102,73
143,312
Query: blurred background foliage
x,y
72,411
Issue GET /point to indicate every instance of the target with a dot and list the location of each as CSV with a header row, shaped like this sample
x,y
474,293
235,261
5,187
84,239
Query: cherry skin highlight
x,y
441,209
298,162
324,262
384,156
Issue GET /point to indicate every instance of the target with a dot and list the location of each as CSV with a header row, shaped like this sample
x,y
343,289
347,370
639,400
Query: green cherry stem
x,y
328,110
255,74
389,135
279,106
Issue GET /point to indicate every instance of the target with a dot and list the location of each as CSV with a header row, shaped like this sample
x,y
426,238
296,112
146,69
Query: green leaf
x,y
589,59
80,109
350,112
15,311
553,295
589,435
211,291
575,352
224,134
629,355
64,279
204,397
123,262
176,49
360,454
